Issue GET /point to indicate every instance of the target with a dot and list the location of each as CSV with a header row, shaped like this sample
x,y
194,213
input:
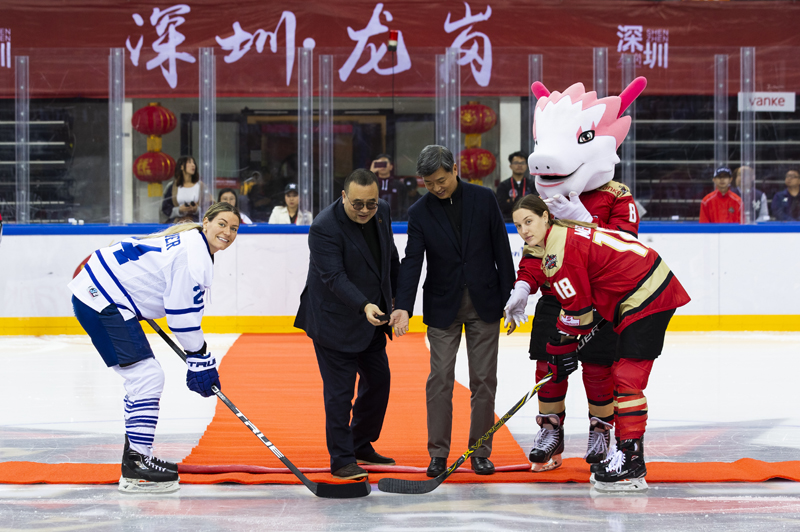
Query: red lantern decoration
x,y
477,163
154,167
154,120
476,118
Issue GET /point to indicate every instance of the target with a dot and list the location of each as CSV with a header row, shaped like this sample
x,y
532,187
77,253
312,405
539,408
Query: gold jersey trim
x,y
655,283
536,252
554,250
618,189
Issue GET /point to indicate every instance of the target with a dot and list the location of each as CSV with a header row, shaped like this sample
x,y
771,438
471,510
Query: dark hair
x,y
433,157
517,154
384,156
225,191
537,206
179,169
360,177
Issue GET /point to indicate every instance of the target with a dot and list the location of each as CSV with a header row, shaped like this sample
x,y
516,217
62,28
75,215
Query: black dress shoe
x,y
482,466
374,458
437,467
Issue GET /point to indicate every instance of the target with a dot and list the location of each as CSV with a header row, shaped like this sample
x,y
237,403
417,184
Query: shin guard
x,y
551,396
630,380
599,384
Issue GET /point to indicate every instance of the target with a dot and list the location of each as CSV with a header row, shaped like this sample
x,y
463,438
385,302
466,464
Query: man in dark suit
x,y
459,228
352,279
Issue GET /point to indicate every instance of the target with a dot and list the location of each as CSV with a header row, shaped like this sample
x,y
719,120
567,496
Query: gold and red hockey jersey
x,y
610,271
611,207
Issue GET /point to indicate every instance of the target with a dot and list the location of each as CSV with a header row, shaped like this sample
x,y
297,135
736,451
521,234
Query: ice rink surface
x,y
712,397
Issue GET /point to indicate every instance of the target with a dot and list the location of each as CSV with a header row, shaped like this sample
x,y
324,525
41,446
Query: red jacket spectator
x,y
721,206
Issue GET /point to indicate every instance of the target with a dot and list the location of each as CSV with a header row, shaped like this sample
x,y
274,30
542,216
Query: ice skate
x,y
624,469
599,441
549,444
143,474
171,466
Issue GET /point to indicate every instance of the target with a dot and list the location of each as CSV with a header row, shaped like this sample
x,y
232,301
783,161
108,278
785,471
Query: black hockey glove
x,y
562,357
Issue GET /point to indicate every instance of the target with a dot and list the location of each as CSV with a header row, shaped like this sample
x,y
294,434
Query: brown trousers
x,y
482,346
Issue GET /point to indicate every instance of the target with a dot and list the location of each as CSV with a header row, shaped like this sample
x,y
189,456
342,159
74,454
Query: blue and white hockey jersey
x,y
152,278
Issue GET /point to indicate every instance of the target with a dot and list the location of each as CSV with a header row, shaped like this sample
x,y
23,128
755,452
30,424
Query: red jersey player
x,y
630,286
577,136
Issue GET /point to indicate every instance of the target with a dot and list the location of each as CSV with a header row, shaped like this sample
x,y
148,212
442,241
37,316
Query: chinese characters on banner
x,y
652,52
5,47
475,47
166,23
373,28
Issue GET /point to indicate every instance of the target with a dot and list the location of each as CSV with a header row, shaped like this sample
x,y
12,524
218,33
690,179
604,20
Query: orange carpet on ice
x,y
274,380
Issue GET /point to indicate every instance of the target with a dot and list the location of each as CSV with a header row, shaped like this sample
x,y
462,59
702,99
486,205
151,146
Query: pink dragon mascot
x,y
576,139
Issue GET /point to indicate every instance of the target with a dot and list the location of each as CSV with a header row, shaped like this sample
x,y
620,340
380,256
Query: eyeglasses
x,y
359,205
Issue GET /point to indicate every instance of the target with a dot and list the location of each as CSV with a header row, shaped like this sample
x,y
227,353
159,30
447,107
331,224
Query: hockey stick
x,y
328,491
397,485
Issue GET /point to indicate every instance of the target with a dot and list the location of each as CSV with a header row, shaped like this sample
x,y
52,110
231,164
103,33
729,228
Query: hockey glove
x,y
515,307
562,357
202,373
570,208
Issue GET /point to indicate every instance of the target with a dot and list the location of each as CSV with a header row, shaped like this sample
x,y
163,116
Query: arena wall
x,y
739,277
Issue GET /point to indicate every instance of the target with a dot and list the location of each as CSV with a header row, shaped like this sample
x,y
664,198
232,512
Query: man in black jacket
x,y
459,229
352,279
519,184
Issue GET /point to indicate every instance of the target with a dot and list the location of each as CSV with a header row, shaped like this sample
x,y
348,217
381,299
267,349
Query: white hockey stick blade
x,y
633,485
135,485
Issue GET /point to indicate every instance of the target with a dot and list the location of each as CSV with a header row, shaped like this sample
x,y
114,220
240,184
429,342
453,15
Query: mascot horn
x,y
576,136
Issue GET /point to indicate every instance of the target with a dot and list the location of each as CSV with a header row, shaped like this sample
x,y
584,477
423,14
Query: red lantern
x,y
154,120
477,163
476,118
154,167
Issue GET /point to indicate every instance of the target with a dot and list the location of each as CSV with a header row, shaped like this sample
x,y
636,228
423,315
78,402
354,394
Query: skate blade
x,y
553,463
633,485
135,485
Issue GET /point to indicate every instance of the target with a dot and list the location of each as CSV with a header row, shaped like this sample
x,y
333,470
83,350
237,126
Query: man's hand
x,y
568,208
373,312
400,322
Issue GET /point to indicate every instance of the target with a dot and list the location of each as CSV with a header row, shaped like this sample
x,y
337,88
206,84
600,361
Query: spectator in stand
x,y
786,203
263,196
760,207
290,212
186,191
412,194
519,184
229,196
721,206
391,189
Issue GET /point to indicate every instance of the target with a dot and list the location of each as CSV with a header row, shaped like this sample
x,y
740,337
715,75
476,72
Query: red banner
x,y
673,44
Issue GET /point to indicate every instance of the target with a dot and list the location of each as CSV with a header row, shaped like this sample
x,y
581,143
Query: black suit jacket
x,y
481,262
342,275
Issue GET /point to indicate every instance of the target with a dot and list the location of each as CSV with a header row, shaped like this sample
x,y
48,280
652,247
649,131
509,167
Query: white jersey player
x,y
165,274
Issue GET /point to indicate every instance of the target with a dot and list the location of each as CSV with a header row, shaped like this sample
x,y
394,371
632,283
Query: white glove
x,y
568,209
515,307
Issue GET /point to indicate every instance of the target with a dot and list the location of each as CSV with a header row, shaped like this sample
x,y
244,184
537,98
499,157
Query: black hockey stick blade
x,y
350,490
416,487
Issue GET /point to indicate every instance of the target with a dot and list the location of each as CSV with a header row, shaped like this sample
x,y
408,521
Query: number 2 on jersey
x,y
564,288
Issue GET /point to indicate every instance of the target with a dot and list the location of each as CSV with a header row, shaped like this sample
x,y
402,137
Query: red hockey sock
x,y
552,396
599,384
630,380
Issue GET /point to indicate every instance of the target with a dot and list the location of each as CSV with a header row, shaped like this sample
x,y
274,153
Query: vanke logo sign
x,y
766,101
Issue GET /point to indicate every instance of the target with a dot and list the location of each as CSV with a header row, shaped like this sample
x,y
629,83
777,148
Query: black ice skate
x,y
143,474
549,444
599,441
624,469
159,462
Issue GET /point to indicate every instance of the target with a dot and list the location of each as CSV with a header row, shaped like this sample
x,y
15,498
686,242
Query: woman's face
x,y
531,227
221,231
229,198
190,167
292,200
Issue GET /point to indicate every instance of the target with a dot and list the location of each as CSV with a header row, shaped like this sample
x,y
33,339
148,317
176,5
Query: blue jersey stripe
x,y
184,310
185,329
98,285
116,281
